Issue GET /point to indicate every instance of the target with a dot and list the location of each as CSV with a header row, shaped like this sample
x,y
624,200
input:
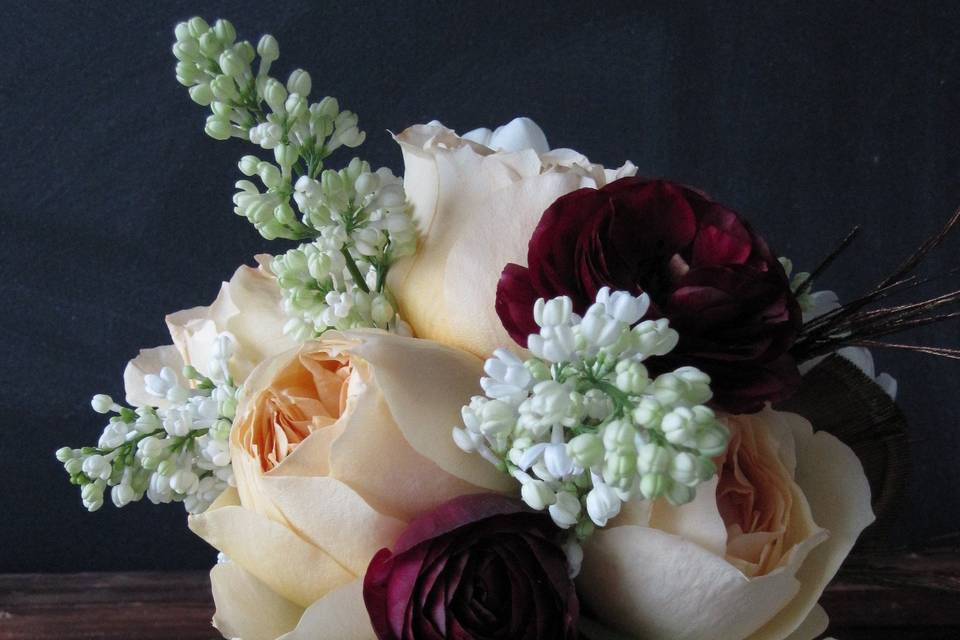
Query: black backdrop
x,y
806,117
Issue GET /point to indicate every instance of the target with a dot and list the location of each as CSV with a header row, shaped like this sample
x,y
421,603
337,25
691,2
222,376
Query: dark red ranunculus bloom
x,y
701,264
479,566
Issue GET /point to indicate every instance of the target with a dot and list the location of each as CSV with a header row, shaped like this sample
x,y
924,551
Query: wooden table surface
x,y
903,596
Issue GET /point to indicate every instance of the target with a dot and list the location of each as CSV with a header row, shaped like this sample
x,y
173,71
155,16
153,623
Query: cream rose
x,y
248,309
336,447
748,560
475,209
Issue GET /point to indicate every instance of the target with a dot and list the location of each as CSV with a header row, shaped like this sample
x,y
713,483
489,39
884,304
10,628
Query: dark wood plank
x,y
905,596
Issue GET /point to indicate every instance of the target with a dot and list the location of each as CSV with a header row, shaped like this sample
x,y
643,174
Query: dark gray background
x,y
806,117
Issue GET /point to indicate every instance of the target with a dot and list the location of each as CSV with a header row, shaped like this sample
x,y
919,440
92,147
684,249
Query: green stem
x,y
354,270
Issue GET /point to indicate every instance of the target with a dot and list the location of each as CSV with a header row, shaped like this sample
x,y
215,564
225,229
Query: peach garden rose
x,y
748,559
337,445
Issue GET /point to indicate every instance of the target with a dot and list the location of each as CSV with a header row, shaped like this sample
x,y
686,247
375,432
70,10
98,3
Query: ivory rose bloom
x,y
475,209
746,561
248,309
336,447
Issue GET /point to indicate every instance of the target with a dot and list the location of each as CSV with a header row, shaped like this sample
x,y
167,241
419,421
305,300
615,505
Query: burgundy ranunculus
x,y
479,566
701,264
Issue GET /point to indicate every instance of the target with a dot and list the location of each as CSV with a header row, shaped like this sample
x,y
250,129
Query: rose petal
x,y
475,210
349,529
247,608
289,565
698,521
654,584
248,307
832,479
812,627
448,377
340,614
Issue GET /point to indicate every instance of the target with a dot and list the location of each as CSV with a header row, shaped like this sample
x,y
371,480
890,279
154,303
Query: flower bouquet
x,y
512,394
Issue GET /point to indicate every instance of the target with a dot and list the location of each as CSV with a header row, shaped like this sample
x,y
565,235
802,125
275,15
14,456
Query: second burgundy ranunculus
x,y
701,264
478,566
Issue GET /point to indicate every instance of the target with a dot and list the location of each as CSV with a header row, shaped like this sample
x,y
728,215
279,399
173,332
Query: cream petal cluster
x,y
582,426
475,209
749,557
248,309
517,135
336,446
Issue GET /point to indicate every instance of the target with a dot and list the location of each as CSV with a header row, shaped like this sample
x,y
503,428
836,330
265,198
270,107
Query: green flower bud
x,y
654,485
201,94
299,83
249,165
381,311
224,88
225,32
166,467
222,110
285,215
286,154
632,377
685,469
268,48
275,94
712,440
187,73
679,494
217,129
64,454
648,413
327,108
197,26
586,449
232,64
210,45
618,436
538,369
584,529
270,174
182,31
73,466
187,50
619,470
652,458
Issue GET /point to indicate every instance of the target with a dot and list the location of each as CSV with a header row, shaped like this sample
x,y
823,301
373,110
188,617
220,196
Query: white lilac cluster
x,y
175,451
355,222
583,426
339,280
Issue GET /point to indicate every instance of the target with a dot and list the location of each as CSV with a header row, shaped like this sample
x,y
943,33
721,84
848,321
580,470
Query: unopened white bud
x,y
679,494
217,128
622,306
654,485
102,403
652,458
602,504
553,312
231,63
276,95
184,481
632,377
299,82
679,426
268,48
586,449
566,510
685,468
712,440
537,494
381,311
